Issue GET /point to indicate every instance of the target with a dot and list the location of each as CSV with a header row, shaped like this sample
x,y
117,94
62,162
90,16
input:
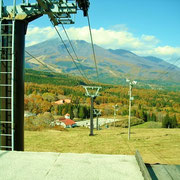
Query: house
x,y
66,122
58,123
67,116
59,102
63,101
69,123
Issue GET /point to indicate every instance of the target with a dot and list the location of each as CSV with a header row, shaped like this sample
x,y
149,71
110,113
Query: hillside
x,y
145,104
41,77
114,65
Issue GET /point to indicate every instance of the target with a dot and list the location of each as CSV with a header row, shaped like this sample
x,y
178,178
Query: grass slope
x,y
149,124
42,77
155,145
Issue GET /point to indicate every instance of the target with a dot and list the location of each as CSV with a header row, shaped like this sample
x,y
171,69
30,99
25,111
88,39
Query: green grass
x,y
155,145
149,124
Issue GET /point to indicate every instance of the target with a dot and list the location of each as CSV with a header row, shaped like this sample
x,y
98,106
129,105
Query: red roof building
x,y
67,122
62,101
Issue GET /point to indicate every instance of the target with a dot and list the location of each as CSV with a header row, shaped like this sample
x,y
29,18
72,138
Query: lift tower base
x,y
12,84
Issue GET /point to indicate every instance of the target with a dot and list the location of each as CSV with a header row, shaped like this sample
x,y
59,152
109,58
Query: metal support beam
x,y
93,92
45,6
129,119
97,113
59,12
130,99
115,110
91,117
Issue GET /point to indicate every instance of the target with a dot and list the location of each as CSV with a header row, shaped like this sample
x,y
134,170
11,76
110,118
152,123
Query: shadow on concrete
x,y
151,172
2,153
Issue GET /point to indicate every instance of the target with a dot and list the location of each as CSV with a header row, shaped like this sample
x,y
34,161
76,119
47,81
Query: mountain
x,y
154,59
122,52
113,65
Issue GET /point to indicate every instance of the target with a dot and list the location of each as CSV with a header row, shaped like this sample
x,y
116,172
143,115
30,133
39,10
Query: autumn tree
x,y
70,111
169,122
81,112
49,97
174,123
75,112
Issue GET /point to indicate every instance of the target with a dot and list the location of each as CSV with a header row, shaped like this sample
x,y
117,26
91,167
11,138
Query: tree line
x,y
149,104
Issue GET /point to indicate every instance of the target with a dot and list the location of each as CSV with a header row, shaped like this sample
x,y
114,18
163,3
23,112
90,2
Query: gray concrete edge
x,y
142,166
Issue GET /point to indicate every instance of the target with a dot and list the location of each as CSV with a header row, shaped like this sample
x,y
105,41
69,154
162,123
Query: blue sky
x,y
152,17
145,27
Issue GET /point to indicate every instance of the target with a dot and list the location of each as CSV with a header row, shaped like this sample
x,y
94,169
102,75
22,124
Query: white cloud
x,y
107,38
36,35
163,52
118,37
167,50
119,27
149,39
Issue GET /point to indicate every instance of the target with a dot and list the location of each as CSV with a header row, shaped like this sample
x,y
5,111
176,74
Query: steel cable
x,y
39,61
167,70
42,63
73,48
92,44
70,53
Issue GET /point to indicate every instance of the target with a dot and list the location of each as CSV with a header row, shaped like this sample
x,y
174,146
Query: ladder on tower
x,y
7,58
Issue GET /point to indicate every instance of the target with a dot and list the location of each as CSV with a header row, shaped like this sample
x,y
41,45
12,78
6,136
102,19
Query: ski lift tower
x,y
92,92
13,25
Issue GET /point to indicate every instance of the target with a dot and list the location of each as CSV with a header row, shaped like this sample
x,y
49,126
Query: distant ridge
x,y
121,52
153,59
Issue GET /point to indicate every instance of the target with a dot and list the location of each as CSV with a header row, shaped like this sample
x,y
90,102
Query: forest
x,y
43,89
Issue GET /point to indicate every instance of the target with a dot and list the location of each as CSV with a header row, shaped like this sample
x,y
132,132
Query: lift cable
x,y
52,71
94,55
39,61
69,40
73,48
171,67
70,54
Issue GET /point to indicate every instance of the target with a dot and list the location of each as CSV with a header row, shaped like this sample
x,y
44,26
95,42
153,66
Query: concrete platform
x,y
164,172
37,166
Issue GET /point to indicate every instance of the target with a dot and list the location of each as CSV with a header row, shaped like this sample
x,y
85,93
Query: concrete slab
x,y
37,166
164,172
